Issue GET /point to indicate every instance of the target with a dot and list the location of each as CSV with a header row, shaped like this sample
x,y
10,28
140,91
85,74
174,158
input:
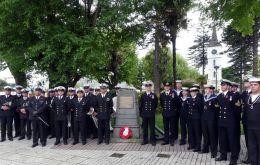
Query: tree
x,y
198,52
244,16
3,83
183,70
65,38
240,51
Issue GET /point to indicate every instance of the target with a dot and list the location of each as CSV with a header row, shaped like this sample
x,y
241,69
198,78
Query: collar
x,y
225,93
194,97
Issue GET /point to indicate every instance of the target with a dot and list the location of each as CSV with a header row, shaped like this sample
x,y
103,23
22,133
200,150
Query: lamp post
x,y
216,68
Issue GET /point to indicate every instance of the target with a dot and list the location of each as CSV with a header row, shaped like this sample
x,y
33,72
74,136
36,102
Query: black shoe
x,y
29,138
247,161
94,137
75,142
2,140
172,144
21,138
99,142
221,158
43,144
214,155
153,144
10,139
164,143
107,143
182,143
204,151
196,150
16,136
84,143
143,143
233,162
65,142
51,137
190,148
34,145
56,143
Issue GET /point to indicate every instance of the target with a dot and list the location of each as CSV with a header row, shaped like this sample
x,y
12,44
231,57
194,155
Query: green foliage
x,y
183,70
240,51
240,13
67,41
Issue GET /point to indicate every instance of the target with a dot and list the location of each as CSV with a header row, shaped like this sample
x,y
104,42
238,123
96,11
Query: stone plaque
x,y
126,102
127,114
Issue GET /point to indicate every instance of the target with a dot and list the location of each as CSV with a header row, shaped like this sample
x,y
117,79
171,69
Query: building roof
x,y
214,39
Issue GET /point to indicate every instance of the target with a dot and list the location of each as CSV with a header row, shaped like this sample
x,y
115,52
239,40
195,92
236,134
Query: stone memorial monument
x,y
127,115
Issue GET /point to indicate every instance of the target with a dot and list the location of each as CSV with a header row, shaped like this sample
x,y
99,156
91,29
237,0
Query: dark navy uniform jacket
x,y
244,96
36,107
9,101
60,108
170,103
80,108
228,109
195,107
104,106
148,104
253,113
23,103
185,107
210,112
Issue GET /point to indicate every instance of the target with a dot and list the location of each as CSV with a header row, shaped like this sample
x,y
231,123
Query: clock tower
x,y
214,69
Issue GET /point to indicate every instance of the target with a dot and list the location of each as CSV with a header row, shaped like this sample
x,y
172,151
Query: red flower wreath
x,y
125,132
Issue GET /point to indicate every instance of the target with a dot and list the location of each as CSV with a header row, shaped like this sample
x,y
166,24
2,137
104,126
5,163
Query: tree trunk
x,y
19,76
174,71
255,47
156,69
203,58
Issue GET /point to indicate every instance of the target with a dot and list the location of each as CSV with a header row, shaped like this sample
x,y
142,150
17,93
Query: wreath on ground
x,y
125,132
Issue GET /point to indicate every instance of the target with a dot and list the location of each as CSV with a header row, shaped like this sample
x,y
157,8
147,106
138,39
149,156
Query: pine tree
x,y
240,50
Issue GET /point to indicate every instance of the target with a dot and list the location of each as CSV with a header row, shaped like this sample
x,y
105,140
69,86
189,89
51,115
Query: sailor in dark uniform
x,y
61,108
200,95
37,106
7,111
103,111
245,94
71,95
178,90
18,89
80,107
234,89
170,103
253,121
195,111
90,126
209,122
227,123
25,123
50,113
148,104
184,114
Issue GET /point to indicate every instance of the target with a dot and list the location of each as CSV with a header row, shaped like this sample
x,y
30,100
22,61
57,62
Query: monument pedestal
x,y
127,114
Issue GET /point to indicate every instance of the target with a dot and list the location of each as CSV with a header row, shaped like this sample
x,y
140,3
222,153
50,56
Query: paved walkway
x,y
21,153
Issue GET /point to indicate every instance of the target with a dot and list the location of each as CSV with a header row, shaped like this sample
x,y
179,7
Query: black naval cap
x,y
167,83
226,82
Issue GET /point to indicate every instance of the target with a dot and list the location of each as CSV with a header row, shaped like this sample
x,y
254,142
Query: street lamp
x,y
216,68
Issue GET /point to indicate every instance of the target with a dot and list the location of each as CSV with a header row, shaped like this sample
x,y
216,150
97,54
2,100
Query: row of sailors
x,y
50,115
215,117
